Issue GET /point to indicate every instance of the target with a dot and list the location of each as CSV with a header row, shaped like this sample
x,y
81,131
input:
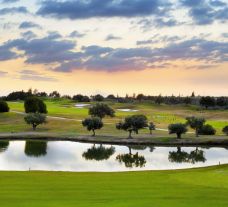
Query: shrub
x,y
207,130
4,107
195,123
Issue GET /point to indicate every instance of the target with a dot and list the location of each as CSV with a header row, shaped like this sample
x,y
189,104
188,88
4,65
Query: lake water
x,y
73,156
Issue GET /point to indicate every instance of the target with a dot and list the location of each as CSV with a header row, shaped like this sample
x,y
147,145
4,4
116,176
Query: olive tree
x,y
101,110
133,124
177,129
35,105
35,119
4,107
93,124
195,123
225,130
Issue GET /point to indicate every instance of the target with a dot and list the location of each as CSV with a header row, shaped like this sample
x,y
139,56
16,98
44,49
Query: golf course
x,y
182,188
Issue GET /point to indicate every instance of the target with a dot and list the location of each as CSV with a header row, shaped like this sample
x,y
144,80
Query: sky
x,y
114,46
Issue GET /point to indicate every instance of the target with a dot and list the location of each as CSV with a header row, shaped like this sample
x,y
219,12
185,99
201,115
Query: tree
x,y
140,97
81,98
159,100
177,129
98,98
195,123
207,101
178,156
196,156
225,130
93,124
207,130
3,146
35,105
133,124
35,119
131,160
101,110
151,127
98,153
221,101
4,107
54,94
35,148
187,100
111,97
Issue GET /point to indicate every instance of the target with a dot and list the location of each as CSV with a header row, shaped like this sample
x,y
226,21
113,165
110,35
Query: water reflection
x,y
35,148
98,153
132,160
193,157
4,145
73,156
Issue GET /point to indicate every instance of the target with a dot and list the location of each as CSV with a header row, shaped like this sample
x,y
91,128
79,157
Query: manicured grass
x,y
180,188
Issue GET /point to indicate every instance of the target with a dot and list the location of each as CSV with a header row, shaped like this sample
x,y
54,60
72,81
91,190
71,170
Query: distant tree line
x,y
208,102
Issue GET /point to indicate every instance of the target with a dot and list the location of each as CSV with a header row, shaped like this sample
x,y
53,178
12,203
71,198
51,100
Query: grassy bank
x,y
195,187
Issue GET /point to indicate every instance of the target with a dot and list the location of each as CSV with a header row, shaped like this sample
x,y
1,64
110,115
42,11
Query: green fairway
x,y
195,187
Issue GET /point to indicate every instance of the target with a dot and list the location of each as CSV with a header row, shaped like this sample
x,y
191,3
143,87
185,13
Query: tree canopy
x,y
101,110
178,129
35,105
93,124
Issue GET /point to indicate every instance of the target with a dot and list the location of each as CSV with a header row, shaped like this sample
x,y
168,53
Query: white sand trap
x,y
80,106
127,110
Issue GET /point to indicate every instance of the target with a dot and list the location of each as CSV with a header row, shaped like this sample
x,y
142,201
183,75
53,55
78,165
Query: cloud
x,y
225,35
28,35
60,55
3,73
28,25
80,9
14,10
54,35
112,37
8,1
35,76
206,12
144,42
76,34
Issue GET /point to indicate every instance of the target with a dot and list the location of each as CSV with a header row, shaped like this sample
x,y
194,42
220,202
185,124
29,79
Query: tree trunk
x,y
150,131
178,136
94,134
130,137
197,133
34,127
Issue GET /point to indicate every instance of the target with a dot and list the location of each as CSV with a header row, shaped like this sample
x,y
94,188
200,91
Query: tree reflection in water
x,y
132,160
4,146
181,156
98,153
35,148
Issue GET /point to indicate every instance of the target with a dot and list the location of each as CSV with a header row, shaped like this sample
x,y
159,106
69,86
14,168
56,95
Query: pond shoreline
x,y
114,140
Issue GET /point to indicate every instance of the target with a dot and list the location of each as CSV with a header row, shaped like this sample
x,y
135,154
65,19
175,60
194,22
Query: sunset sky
x,y
114,46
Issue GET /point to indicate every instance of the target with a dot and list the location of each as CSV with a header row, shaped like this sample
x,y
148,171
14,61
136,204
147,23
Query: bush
x,y
35,105
4,107
225,130
207,130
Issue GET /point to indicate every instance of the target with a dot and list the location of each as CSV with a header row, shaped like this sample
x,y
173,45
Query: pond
x,y
80,157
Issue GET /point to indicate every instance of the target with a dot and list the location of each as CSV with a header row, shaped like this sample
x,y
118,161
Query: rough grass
x,y
181,188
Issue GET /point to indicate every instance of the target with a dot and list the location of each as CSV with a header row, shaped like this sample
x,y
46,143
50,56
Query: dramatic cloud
x,y
206,12
28,35
28,25
14,10
81,9
112,37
